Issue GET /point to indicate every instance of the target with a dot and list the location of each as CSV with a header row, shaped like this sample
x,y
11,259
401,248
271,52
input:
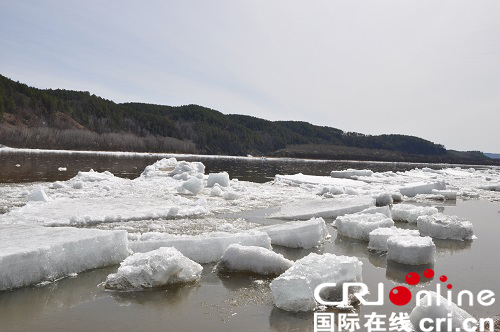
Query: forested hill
x,y
32,117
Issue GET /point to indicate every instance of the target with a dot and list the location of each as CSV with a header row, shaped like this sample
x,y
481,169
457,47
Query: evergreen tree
x,y
2,105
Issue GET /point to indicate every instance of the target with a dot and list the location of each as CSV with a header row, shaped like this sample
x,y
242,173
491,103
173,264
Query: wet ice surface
x,y
237,302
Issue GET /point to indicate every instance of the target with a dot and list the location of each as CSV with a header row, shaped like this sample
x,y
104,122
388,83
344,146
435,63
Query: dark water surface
x,y
40,167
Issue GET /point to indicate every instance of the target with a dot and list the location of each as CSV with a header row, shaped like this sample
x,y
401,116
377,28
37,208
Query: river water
x,y
241,302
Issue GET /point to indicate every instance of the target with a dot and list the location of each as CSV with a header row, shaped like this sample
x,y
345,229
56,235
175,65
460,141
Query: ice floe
x,y
411,250
410,213
38,195
378,237
359,226
32,254
294,289
325,208
445,227
298,234
351,173
251,259
200,248
157,268
221,179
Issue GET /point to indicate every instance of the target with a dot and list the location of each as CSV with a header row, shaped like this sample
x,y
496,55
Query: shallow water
x,y
243,303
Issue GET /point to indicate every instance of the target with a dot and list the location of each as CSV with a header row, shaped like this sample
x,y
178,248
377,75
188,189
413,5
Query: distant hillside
x,y
493,155
31,117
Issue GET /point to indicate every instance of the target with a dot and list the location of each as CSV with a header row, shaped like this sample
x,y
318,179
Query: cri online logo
x,y
401,295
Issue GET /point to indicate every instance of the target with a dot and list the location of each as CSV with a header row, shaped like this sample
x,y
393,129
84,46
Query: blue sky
x,y
425,68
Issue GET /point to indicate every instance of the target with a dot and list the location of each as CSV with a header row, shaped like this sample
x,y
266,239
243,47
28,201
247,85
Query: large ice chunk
x,y
162,167
152,269
220,178
325,208
294,289
351,173
298,179
238,258
298,234
200,248
384,199
411,250
192,186
442,226
385,210
448,195
410,213
433,306
32,254
359,226
93,176
190,168
379,237
413,189
491,187
38,195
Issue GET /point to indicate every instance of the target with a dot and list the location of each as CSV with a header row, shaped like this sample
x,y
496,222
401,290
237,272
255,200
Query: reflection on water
x,y
397,272
378,259
32,302
449,247
161,299
284,321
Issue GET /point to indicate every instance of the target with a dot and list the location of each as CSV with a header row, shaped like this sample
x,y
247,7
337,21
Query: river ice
x,y
173,204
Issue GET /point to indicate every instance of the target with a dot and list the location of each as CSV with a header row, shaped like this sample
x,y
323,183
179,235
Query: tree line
x,y
204,130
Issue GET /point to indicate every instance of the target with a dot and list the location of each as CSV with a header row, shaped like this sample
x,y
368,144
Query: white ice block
x,y
191,168
93,176
38,195
220,178
429,308
230,195
442,226
32,254
448,195
491,187
192,186
351,173
379,237
410,213
162,167
385,210
157,268
384,199
298,234
413,189
359,226
294,289
411,250
325,208
251,259
200,248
